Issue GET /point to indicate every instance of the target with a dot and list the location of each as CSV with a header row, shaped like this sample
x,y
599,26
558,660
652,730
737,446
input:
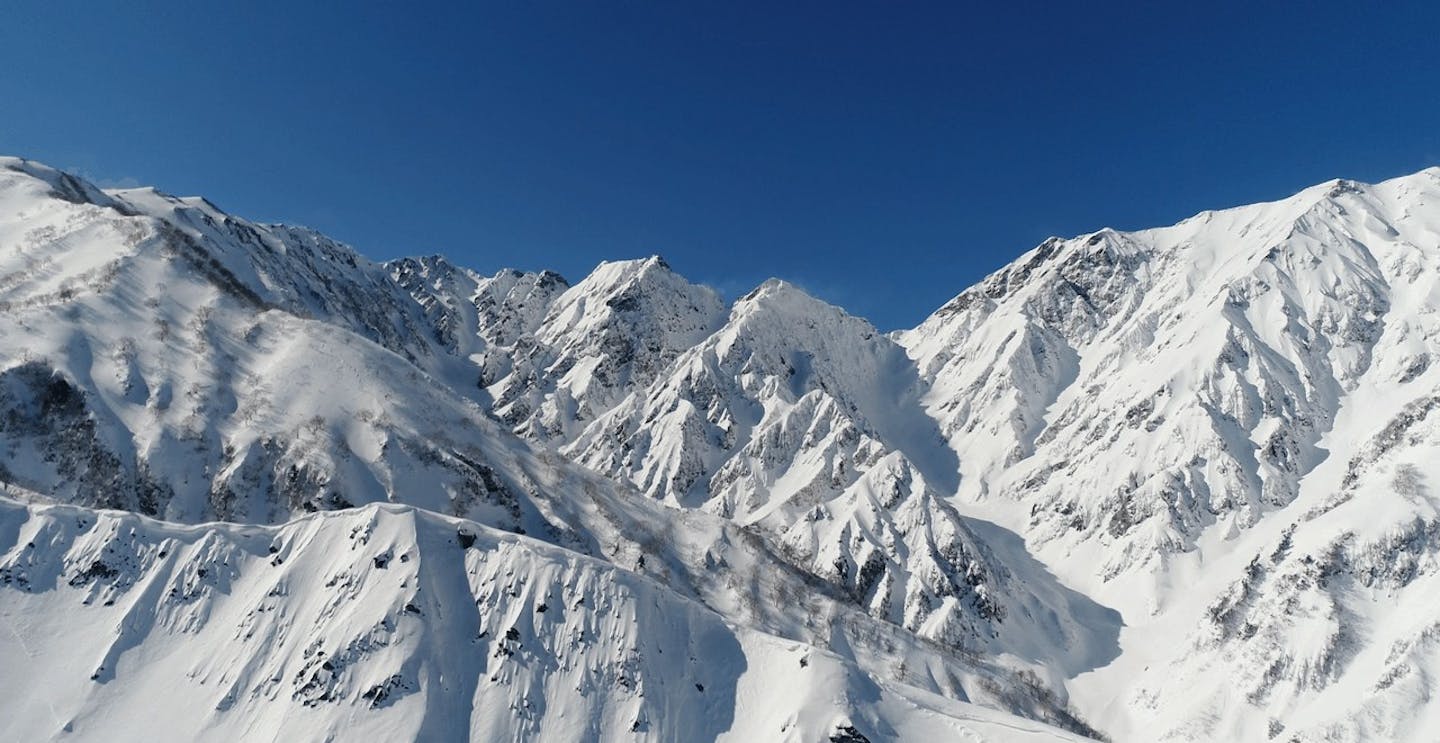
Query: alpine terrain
x,y
1167,485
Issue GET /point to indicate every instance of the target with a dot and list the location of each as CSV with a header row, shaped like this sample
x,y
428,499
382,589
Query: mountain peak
x,y
780,298
611,274
639,285
636,264
618,328
773,291
61,184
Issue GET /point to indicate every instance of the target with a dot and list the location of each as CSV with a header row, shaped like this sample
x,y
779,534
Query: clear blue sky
x,y
883,155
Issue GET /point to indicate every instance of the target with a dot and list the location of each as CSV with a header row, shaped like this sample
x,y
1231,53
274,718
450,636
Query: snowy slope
x,y
1224,429
791,417
1221,428
161,357
392,623
804,421
1196,352
611,333
472,314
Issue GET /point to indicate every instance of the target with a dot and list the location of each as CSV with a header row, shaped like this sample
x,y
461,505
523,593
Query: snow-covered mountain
x,y
1171,484
471,313
611,333
805,422
1222,429
396,623
161,359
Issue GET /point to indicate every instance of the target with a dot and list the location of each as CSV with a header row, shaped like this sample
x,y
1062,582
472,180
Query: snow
x,y
1172,484
614,331
215,380
395,623
1208,463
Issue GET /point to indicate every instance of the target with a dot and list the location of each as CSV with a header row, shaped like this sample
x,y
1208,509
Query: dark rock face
x,y
46,421
848,734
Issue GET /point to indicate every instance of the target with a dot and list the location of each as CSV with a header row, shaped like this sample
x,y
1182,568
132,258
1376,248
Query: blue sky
x,y
883,155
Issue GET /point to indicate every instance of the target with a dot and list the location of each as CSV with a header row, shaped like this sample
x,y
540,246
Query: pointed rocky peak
x,y
615,331
611,274
434,267
646,285
512,304
779,329
782,312
507,280
629,308
443,290
779,295
547,279
470,312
